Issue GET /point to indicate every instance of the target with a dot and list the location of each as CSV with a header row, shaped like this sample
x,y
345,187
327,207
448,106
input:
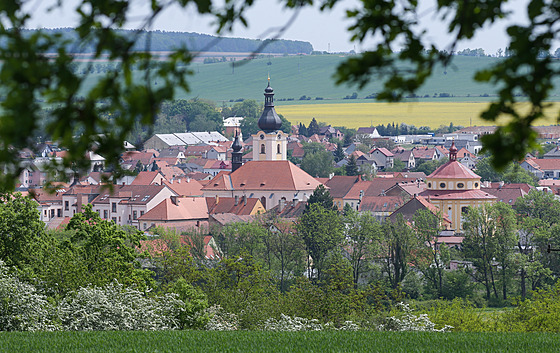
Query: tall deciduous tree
x,y
21,231
363,234
430,258
321,230
106,251
397,244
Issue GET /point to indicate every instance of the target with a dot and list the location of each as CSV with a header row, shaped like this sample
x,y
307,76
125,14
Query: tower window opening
x,y
262,149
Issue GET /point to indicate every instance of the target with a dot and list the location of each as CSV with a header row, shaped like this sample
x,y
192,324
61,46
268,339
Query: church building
x,y
269,177
453,188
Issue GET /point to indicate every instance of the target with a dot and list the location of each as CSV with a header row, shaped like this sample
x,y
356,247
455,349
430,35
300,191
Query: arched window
x,y
262,148
278,149
263,201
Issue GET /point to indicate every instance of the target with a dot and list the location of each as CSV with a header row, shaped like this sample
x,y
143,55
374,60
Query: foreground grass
x,y
246,341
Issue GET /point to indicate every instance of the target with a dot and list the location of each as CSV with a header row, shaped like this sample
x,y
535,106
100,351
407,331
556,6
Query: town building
x,y
453,188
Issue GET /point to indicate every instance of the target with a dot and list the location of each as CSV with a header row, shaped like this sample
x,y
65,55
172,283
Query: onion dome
x,y
236,146
269,120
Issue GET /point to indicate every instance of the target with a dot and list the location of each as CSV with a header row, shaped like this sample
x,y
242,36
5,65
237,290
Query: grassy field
x,y
246,341
295,76
432,114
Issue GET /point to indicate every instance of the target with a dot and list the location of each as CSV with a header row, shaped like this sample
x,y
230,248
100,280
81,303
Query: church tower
x,y
236,155
270,143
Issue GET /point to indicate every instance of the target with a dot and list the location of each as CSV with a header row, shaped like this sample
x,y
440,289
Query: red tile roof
x,y
178,209
381,203
146,178
264,175
228,205
185,187
340,185
453,170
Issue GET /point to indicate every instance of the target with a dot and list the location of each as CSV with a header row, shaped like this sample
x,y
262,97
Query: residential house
x,y
381,207
175,210
126,204
368,132
407,157
542,168
383,158
329,133
339,186
149,178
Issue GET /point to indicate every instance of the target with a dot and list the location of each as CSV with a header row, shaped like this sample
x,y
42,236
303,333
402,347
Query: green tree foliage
x,y
106,251
398,166
490,236
22,233
512,173
396,246
196,114
352,168
317,161
362,234
312,128
321,196
339,153
428,167
433,257
321,230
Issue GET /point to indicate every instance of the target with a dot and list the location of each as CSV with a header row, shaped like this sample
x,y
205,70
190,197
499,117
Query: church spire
x,y
269,120
236,155
453,151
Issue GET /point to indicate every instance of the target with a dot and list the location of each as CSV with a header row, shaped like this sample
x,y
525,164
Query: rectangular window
x,y
141,213
59,212
66,206
114,207
114,219
134,214
105,214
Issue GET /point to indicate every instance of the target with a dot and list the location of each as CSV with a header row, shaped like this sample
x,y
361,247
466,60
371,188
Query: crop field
x,y
432,114
250,341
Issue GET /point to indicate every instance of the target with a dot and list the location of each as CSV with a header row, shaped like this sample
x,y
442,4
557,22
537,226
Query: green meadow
x,y
256,341
312,76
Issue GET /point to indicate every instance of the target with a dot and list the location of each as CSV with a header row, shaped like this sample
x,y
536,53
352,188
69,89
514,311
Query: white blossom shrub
x,y
410,322
22,308
288,323
220,320
115,307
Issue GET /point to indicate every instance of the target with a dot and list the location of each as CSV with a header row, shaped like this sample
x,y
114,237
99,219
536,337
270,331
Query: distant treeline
x,y
167,41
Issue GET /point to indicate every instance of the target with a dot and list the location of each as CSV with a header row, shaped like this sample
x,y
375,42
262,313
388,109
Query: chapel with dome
x,y
270,143
453,188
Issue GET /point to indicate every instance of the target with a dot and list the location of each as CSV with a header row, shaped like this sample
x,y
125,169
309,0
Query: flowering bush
x,y
22,308
410,322
287,323
221,320
114,307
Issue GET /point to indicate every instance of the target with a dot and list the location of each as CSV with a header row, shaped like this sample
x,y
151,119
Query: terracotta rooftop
x,y
146,178
340,185
185,187
264,175
453,170
243,206
178,209
381,203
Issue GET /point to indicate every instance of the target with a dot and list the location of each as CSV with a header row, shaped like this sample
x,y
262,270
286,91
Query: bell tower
x,y
270,143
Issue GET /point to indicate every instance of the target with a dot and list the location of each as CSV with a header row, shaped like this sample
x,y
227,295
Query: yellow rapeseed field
x,y
432,114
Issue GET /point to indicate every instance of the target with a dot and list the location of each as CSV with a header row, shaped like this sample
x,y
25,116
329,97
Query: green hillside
x,y
295,76
312,76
